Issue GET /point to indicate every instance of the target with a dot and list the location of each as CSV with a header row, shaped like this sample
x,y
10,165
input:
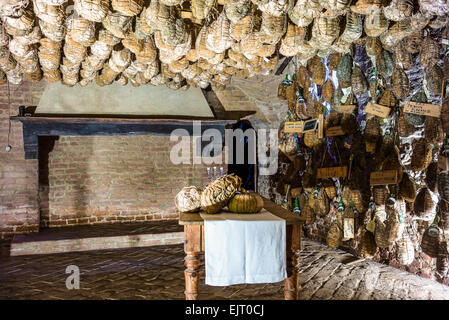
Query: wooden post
x,y
192,248
283,65
291,284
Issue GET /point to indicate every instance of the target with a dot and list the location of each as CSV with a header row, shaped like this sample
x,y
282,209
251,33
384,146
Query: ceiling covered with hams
x,y
198,43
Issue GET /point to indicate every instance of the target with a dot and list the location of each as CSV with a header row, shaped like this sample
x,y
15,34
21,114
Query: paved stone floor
x,y
157,273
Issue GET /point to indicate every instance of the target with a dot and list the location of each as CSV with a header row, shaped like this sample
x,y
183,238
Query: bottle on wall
x,y
297,210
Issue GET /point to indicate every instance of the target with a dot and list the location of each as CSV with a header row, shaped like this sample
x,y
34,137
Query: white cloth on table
x,y
244,248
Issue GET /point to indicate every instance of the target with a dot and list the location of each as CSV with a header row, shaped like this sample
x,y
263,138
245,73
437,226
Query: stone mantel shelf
x,y
36,126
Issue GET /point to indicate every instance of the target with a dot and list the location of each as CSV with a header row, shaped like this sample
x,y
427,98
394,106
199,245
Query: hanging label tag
x,y
293,126
423,109
334,131
320,126
310,125
377,109
348,228
347,108
370,146
332,172
384,177
186,15
371,226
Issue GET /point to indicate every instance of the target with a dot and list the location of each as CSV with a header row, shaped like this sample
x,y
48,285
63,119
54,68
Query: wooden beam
x,y
215,104
55,119
33,127
283,65
219,111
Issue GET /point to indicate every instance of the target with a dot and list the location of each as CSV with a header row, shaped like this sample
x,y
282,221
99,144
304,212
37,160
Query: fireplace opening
x,y
87,180
46,145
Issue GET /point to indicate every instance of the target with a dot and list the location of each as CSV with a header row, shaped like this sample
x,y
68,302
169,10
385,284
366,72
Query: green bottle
x,y
297,210
341,207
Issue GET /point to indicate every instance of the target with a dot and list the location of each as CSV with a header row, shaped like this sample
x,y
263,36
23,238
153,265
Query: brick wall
x,y
18,177
101,179
23,199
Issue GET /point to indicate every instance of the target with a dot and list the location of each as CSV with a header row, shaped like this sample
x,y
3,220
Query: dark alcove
x,y
247,171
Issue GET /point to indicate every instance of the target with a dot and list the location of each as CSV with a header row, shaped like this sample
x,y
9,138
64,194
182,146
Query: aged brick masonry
x,y
19,208
112,179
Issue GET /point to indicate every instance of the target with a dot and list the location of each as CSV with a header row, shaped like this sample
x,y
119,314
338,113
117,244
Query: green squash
x,y
248,202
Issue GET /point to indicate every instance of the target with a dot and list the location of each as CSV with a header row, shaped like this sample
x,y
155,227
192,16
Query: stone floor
x,y
157,273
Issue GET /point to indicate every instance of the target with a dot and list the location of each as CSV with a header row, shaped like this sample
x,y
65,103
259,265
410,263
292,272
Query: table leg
x,y
291,283
192,248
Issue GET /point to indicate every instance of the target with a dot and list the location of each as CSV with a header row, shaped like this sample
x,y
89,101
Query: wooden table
x,y
194,244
